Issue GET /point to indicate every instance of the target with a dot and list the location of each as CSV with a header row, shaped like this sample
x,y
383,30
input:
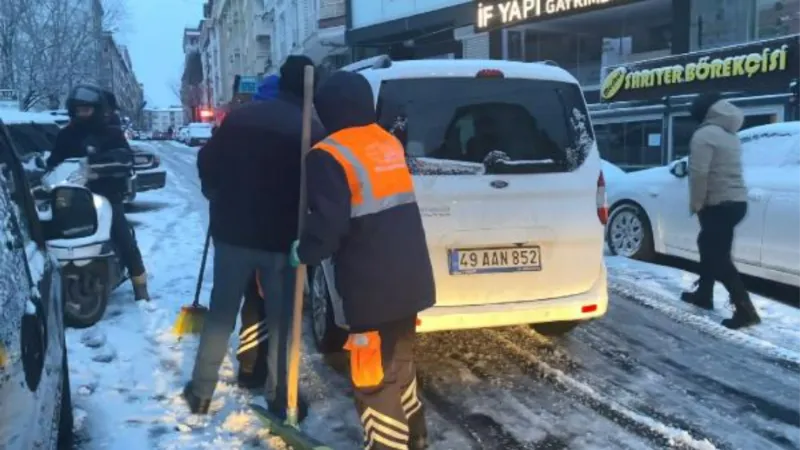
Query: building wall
x,y
162,119
120,78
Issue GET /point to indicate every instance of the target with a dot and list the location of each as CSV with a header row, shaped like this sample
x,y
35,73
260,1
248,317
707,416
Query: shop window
x,y
776,18
630,145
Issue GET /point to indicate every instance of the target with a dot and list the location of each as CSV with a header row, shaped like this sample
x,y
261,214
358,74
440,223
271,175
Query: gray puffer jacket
x,y
715,159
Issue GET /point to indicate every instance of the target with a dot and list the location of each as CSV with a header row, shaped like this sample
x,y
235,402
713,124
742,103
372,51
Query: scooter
x,y
90,266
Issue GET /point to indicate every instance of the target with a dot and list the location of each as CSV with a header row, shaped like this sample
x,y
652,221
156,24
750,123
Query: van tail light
x,y
602,201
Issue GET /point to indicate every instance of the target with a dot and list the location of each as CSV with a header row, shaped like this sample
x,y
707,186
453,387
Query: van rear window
x,y
487,125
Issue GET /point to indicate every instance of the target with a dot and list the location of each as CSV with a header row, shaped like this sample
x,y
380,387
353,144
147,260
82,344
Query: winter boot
x,y
196,404
251,380
702,296
140,288
744,313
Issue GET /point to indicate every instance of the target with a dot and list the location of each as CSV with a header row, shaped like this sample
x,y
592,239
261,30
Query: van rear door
x,y
506,172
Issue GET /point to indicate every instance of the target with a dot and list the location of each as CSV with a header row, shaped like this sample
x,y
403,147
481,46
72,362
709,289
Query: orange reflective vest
x,y
375,165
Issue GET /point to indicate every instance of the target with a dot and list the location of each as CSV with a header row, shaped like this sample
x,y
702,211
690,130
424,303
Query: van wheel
x,y
555,329
327,335
629,233
66,421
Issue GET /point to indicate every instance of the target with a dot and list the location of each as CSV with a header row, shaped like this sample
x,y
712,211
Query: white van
x,y
197,133
508,179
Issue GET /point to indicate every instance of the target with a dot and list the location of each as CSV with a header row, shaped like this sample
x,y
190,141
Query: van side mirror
x,y
679,169
73,213
40,164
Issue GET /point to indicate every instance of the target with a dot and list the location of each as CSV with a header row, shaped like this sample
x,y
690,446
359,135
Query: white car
x,y
197,133
650,212
182,135
508,179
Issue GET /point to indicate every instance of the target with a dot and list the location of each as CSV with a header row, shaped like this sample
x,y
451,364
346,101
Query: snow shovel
x,y
289,429
191,318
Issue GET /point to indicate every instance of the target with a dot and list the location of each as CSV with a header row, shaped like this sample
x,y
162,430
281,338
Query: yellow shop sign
x,y
706,68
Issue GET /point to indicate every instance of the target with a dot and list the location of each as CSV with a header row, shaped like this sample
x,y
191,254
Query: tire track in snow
x,y
643,425
630,290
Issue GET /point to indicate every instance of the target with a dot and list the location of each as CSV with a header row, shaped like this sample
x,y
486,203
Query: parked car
x,y
33,134
149,175
510,189
182,135
650,215
197,134
35,399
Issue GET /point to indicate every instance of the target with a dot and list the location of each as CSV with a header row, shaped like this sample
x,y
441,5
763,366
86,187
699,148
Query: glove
x,y
294,260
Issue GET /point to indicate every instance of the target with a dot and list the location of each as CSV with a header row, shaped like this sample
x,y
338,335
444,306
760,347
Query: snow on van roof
x,y
469,68
10,116
781,128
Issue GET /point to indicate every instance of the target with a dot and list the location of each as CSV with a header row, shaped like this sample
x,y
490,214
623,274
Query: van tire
x,y
328,337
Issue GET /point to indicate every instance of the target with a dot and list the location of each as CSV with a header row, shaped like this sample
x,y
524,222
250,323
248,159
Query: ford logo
x,y
499,184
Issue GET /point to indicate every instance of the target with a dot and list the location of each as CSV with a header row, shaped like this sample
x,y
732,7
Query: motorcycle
x,y
90,266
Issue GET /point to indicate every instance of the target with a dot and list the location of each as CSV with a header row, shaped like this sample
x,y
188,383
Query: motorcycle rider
x,y
92,113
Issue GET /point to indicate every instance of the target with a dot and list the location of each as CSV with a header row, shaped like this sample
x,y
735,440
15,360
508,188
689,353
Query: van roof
x,y
383,68
12,117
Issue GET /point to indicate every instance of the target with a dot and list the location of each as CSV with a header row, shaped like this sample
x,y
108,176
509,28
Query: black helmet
x,y
87,95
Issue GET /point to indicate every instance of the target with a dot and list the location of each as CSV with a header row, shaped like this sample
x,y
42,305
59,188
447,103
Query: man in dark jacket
x,y
92,113
253,334
364,214
718,195
251,170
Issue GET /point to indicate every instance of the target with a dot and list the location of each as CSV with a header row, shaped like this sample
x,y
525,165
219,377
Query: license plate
x,y
494,260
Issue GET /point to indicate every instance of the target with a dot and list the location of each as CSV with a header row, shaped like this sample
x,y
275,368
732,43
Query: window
x,y
495,124
682,130
30,138
775,18
11,173
631,145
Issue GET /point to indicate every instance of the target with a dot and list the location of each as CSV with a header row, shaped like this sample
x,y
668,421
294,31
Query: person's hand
x,y
294,260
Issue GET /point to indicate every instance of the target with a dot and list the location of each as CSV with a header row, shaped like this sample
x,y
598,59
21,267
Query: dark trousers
x,y
125,242
233,268
253,334
390,408
715,241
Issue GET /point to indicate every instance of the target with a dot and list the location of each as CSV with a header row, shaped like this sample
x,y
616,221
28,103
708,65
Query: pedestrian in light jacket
x,y
718,195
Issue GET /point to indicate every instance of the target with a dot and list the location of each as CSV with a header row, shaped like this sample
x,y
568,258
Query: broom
x,y
289,430
190,319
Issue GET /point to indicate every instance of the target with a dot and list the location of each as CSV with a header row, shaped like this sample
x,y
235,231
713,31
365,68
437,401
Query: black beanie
x,y
702,104
292,74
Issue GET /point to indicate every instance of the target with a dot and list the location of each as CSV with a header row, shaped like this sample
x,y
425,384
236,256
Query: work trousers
x,y
233,268
715,242
385,387
125,241
253,334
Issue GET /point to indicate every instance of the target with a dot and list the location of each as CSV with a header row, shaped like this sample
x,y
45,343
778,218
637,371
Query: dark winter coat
x,y
250,171
381,263
73,140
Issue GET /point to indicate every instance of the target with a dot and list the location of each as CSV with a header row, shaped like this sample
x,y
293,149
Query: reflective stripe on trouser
x,y
253,334
370,204
392,413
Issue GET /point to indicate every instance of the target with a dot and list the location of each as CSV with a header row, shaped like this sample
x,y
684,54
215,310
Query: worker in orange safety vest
x,y
363,214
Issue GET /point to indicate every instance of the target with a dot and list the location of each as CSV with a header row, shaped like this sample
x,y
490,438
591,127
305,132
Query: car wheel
x,y
556,329
327,335
66,420
629,233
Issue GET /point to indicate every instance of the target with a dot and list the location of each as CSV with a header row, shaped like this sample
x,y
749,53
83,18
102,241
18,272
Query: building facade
x,y
119,78
162,119
608,45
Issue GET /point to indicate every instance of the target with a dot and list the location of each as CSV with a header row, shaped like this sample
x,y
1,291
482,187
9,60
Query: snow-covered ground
x,y
653,373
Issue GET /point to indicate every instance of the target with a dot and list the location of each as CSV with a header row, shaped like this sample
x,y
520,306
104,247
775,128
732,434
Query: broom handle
x,y
300,278
196,301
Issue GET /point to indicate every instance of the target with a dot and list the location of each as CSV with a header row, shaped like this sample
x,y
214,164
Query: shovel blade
x,y
290,434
